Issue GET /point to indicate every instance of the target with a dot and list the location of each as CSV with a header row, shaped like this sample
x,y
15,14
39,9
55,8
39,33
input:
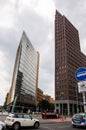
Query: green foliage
x,y
52,106
45,105
1,107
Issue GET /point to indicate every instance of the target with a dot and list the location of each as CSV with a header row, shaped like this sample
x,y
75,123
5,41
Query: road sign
x,y
82,86
81,74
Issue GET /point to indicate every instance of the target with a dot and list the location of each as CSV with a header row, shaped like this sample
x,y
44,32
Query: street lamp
x,y
14,103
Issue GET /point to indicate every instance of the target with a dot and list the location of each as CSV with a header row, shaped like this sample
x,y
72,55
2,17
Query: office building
x,y
25,75
48,98
68,58
39,95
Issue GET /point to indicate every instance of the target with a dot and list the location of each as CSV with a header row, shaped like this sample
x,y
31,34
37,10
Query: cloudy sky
x,y
36,18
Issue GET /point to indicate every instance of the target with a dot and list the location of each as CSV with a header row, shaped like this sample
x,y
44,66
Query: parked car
x,y
18,120
2,126
79,119
49,115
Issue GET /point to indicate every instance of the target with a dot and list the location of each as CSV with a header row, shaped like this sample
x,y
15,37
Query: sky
x,y
36,18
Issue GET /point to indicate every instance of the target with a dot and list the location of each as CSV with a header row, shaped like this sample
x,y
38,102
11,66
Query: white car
x,y
17,120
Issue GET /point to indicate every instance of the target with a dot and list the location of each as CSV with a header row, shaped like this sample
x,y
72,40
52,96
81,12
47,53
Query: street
x,y
59,126
55,126
49,124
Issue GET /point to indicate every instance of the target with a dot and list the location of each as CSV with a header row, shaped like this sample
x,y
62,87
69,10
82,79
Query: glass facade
x,y
25,73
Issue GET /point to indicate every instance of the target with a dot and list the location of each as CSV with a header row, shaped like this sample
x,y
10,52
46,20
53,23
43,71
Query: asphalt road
x,y
56,126
51,125
59,126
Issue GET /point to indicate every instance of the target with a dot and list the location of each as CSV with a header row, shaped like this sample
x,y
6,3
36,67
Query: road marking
x,y
48,128
59,126
64,126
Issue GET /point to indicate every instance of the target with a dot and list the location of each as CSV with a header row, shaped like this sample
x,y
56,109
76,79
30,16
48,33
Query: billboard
x,y
82,86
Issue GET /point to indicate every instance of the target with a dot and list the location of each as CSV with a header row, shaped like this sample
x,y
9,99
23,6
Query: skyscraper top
x,y
64,17
24,39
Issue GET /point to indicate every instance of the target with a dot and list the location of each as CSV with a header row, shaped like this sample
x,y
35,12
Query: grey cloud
x,y
40,32
34,25
9,43
3,2
37,30
75,11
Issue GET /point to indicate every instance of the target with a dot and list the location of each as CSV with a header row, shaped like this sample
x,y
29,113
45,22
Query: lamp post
x,y
14,103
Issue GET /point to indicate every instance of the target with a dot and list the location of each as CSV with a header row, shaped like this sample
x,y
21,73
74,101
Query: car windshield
x,y
18,115
78,116
11,115
27,116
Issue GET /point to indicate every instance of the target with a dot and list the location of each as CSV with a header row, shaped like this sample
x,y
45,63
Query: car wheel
x,y
36,125
4,128
16,126
7,127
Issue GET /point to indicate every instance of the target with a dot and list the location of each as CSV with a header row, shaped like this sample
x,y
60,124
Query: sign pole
x,y
80,75
77,99
84,101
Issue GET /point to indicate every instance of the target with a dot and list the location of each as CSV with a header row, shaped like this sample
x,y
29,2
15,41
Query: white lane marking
x,y
60,127
64,126
48,128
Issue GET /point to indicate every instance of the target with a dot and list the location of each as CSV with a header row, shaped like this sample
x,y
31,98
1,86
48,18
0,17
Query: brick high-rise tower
x,y
68,58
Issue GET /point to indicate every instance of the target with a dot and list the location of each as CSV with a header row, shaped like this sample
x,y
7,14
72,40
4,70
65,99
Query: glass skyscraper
x,y
25,75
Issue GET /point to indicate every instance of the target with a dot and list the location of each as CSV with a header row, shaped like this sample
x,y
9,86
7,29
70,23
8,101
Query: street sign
x,y
82,86
81,74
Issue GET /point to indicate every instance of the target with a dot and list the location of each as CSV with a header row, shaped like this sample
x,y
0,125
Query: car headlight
x,y
82,123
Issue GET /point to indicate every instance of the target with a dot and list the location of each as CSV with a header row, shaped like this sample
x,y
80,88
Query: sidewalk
x,y
54,120
68,119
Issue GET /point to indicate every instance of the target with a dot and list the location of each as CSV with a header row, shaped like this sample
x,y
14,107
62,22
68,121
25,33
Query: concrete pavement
x,y
39,116
54,120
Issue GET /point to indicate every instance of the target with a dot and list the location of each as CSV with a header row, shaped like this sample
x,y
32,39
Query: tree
x,y
45,105
52,106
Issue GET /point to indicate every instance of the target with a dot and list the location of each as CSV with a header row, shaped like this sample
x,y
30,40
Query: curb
x,y
54,121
